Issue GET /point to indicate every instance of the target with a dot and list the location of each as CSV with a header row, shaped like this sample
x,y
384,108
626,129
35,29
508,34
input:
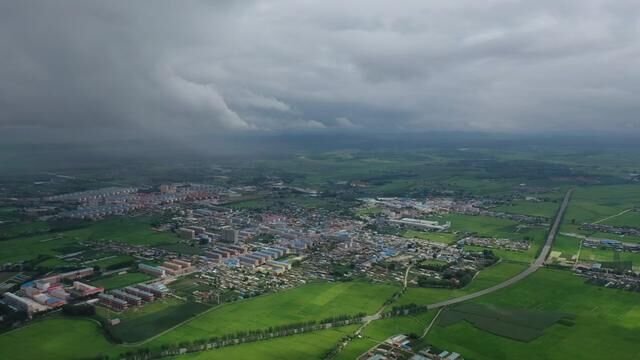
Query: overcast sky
x,y
168,67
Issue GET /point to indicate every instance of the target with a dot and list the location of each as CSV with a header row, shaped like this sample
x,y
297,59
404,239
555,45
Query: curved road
x,y
544,253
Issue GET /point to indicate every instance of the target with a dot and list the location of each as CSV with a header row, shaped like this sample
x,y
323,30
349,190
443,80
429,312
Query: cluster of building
x,y
492,243
626,281
619,230
94,204
421,224
136,295
610,244
399,347
50,292
174,267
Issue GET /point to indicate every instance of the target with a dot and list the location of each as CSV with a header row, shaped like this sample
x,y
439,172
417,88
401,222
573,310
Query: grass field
x,y
309,302
532,208
309,346
120,281
517,324
486,278
161,315
608,318
380,330
63,339
594,203
567,246
606,255
81,339
129,230
445,238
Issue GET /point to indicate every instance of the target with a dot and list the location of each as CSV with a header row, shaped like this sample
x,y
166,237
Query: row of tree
x,y
241,337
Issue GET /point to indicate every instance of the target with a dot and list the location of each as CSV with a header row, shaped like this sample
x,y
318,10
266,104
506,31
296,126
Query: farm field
x,y
120,281
441,237
129,230
517,324
567,246
59,339
607,317
486,278
310,346
532,208
607,255
594,203
154,318
380,330
309,302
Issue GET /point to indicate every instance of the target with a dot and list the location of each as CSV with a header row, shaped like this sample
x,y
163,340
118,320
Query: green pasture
x,y
606,323
310,302
119,281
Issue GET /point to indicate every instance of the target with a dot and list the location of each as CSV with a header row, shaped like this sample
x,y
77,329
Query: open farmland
x,y
608,318
516,324
441,237
129,230
309,302
531,208
59,339
310,346
120,281
152,322
596,203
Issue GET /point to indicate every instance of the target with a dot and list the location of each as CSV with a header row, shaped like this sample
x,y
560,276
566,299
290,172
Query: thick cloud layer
x,y
175,67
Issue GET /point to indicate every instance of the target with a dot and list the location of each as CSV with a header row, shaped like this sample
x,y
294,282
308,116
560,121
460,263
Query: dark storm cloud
x,y
190,66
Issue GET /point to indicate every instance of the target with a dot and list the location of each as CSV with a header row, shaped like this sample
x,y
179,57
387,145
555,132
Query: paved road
x,y
544,253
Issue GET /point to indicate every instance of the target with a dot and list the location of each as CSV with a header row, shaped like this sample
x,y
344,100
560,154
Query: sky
x,y
169,68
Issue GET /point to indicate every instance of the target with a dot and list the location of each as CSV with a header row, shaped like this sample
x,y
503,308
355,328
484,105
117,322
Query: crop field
x,y
22,229
130,230
309,302
608,255
120,281
59,339
149,322
567,246
441,237
544,208
607,317
486,278
595,203
380,330
313,345
516,324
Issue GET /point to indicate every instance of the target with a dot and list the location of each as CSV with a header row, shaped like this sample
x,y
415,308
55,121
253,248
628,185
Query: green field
x,y
606,255
64,339
486,278
310,346
120,281
129,230
309,302
544,208
517,324
608,318
441,237
157,317
594,203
